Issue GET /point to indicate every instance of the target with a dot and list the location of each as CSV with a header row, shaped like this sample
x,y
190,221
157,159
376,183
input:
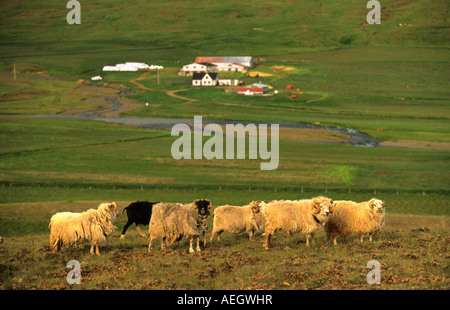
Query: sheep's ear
x,y
331,205
255,206
195,202
210,203
316,205
371,202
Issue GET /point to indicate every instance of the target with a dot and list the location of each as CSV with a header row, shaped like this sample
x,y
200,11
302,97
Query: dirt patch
x,y
281,68
93,177
259,73
441,146
312,135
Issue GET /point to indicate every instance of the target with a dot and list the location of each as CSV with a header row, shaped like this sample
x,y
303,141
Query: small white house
x,y
197,68
205,79
228,82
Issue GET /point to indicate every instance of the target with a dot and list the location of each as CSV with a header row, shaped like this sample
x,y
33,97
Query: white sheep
x,y
93,225
293,216
172,221
236,220
350,217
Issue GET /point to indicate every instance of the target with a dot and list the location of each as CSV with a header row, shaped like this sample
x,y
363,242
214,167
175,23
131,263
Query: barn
x,y
205,79
229,63
202,67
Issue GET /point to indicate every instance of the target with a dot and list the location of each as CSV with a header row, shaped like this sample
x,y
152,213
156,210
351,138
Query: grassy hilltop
x,y
389,81
178,31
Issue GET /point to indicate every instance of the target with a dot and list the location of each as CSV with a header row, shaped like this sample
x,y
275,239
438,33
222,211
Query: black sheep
x,y
138,212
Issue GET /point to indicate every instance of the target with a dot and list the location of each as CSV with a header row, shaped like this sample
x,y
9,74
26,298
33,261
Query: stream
x,y
355,138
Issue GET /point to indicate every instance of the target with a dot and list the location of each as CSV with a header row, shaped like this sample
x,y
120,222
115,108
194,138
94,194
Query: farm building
x,y
253,90
228,82
197,68
229,63
232,67
205,79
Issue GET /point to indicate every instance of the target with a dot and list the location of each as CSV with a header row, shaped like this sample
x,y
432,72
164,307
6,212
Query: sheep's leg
x,y
122,236
191,241
311,239
150,245
250,235
204,239
361,238
92,249
334,241
370,237
198,245
213,233
97,252
308,236
139,230
266,243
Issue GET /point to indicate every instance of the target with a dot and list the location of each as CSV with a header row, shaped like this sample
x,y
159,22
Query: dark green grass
x,y
59,160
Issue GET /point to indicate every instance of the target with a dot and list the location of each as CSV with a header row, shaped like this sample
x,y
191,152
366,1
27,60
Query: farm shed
x,y
253,90
229,63
263,86
128,66
205,79
197,68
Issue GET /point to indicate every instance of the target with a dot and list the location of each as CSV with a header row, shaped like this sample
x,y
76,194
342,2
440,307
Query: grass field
x,y
389,81
412,250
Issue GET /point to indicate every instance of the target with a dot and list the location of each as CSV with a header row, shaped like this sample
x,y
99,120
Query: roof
x,y
250,88
225,59
260,85
199,76
205,64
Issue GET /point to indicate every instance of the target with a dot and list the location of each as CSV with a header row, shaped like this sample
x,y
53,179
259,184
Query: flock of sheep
x,y
169,222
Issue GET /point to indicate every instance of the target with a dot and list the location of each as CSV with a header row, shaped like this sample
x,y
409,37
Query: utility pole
x,y
158,76
14,71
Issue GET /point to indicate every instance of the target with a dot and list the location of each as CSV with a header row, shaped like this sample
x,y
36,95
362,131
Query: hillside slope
x,y
179,30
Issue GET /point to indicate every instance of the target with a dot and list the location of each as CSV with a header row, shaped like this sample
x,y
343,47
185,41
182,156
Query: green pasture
x,y
115,31
46,159
389,81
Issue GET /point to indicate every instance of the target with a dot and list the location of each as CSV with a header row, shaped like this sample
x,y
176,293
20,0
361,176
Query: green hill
x,y
171,31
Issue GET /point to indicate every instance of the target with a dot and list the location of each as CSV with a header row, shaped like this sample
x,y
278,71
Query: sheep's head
x,y
255,206
110,208
376,205
322,207
203,206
